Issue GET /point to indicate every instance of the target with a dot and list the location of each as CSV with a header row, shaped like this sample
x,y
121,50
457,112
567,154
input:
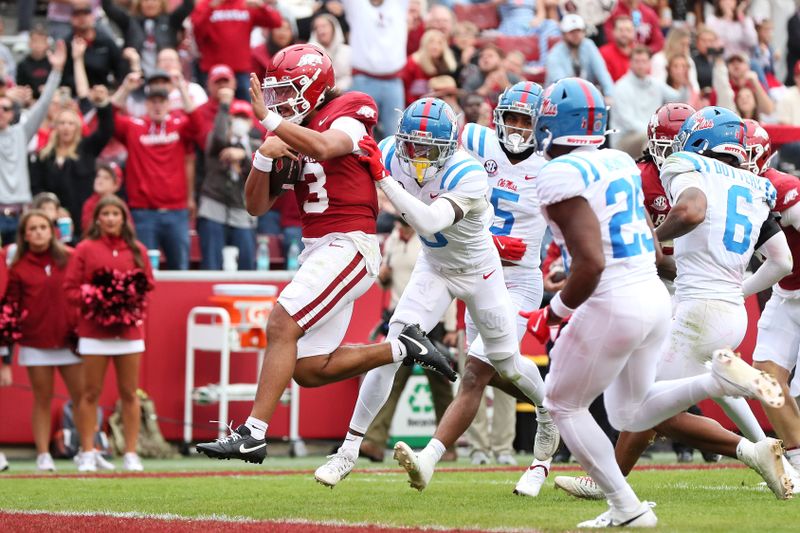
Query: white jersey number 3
x,y
315,178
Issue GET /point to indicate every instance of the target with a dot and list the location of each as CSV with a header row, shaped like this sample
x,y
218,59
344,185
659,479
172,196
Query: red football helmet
x,y
664,125
758,147
297,80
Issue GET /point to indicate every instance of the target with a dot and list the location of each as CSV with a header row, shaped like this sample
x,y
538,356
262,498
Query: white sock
x,y
398,350
374,391
351,445
435,448
745,447
258,428
793,455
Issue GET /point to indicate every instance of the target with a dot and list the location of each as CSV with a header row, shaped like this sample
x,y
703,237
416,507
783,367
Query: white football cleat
x,y
337,468
3,462
642,517
419,466
479,457
101,462
44,463
793,475
506,459
533,479
545,445
582,487
766,458
740,379
131,462
86,462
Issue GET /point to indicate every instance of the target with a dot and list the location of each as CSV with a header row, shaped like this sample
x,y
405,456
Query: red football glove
x,y
510,248
537,323
371,157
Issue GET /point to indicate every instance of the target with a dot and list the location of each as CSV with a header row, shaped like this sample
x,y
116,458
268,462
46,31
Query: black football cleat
x,y
238,444
420,350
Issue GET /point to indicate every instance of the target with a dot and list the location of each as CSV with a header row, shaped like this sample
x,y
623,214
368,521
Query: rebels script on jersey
x,y
468,243
512,191
712,258
609,180
338,195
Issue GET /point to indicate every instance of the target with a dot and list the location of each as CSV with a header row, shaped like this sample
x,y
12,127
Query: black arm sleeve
x,y
769,228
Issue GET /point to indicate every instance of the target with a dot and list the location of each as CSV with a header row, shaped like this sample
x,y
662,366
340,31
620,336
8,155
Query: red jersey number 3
x,y
315,178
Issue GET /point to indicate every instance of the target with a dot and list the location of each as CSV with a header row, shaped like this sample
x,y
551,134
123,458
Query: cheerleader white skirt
x,y
30,356
90,346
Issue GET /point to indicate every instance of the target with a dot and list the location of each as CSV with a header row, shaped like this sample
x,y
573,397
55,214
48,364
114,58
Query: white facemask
x,y
513,142
240,127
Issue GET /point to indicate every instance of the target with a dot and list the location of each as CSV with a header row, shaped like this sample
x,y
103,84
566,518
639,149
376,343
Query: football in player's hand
x,y
285,171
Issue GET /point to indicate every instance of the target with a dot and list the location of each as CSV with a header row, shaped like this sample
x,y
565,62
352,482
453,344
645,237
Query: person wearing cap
x,y
577,57
222,32
788,108
107,180
645,21
219,77
160,190
170,62
149,27
15,184
741,75
222,219
642,94
102,59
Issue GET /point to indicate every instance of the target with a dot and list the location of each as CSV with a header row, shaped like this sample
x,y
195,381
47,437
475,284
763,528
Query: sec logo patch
x,y
491,167
660,203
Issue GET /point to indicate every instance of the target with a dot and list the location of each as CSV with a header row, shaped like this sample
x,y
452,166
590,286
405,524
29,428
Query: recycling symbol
x,y
420,399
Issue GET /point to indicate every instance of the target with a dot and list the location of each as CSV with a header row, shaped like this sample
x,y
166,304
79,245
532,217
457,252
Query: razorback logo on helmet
x,y
309,59
549,109
366,111
791,195
660,203
703,124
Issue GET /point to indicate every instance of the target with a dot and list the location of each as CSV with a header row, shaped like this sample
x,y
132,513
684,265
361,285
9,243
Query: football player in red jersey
x,y
696,431
778,343
320,129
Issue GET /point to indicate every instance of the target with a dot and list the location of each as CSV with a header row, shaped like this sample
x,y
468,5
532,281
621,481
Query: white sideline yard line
x,y
248,520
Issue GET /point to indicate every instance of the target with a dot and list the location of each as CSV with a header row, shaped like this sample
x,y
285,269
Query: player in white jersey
x,y
620,310
508,155
441,192
720,214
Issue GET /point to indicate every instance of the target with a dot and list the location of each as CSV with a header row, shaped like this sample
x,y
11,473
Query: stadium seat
x,y
484,16
528,45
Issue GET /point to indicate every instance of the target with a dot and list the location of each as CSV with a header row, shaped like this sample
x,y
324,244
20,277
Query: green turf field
x,y
724,499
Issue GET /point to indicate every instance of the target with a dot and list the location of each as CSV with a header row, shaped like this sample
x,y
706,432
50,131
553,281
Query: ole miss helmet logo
x,y
703,124
491,167
549,109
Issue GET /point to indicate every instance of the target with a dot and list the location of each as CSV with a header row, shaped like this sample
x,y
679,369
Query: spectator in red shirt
x,y
222,32
617,53
35,282
434,58
110,243
160,190
645,22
